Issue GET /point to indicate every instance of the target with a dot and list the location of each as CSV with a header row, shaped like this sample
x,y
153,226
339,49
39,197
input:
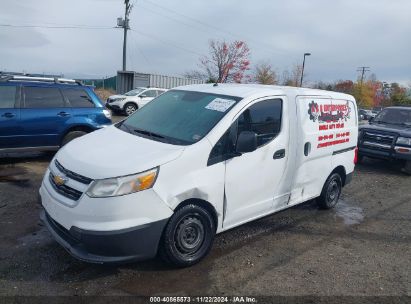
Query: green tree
x,y
399,95
264,74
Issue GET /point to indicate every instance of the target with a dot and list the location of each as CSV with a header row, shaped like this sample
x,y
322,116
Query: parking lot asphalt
x,y
362,247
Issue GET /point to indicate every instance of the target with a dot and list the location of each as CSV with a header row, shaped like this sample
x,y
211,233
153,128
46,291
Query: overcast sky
x,y
169,36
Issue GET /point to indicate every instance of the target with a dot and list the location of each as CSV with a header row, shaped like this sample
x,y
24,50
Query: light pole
x,y
302,72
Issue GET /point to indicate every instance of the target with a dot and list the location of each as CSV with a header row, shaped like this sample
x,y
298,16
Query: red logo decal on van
x,y
328,112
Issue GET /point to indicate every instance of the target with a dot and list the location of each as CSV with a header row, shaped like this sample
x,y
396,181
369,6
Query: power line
x,y
171,18
100,27
136,47
167,42
86,27
191,18
215,28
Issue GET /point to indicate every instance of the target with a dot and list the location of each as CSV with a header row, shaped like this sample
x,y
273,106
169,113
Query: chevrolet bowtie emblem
x,y
59,180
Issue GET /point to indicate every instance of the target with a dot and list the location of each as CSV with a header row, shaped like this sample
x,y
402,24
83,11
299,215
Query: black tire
x,y
188,236
407,167
72,135
331,192
130,108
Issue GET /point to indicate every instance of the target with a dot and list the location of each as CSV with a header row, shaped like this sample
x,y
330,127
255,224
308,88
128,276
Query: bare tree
x,y
296,75
286,79
195,75
264,74
227,62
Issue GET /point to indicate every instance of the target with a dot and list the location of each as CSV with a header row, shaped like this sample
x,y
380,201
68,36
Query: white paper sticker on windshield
x,y
220,104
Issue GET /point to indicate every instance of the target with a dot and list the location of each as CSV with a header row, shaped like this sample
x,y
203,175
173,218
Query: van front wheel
x,y
188,236
331,192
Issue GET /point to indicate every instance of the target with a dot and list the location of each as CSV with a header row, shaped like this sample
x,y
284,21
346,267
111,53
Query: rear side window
x,y
38,97
7,97
78,98
263,118
159,92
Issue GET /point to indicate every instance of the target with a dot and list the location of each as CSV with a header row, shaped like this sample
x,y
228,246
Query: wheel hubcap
x,y
130,110
189,235
333,192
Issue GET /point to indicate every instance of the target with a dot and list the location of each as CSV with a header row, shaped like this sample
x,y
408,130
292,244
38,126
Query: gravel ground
x,y
360,248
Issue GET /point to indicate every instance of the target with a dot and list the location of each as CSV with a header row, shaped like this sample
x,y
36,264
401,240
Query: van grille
x,y
378,140
64,189
72,175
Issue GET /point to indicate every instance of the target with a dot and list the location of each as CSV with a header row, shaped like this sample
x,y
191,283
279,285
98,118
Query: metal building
x,y
128,80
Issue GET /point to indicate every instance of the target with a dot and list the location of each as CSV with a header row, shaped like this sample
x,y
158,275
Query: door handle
x,y
8,115
279,154
63,114
307,148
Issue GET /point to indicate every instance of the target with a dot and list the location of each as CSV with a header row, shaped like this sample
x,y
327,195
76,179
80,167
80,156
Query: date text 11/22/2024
x,y
207,299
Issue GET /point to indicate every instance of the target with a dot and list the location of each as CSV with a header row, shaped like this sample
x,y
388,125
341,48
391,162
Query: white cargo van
x,y
196,161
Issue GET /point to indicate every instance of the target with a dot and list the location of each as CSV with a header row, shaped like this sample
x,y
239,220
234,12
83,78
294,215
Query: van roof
x,y
246,90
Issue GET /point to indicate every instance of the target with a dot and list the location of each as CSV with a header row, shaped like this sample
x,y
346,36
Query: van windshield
x,y
179,117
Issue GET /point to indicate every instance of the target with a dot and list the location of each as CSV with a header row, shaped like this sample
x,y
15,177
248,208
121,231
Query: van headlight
x,y
123,185
405,141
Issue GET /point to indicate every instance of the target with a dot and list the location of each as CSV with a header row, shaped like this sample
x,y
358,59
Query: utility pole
x,y
363,70
125,24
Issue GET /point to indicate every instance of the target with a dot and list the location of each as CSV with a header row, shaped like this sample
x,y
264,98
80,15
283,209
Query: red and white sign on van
x,y
330,117
328,112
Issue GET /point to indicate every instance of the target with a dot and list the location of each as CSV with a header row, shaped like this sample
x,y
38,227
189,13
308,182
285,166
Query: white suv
x,y
133,100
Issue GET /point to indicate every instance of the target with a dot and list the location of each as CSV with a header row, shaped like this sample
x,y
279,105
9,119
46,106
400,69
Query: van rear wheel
x,y
331,192
188,236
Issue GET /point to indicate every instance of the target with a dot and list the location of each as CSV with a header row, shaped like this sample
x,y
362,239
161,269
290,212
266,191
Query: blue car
x,y
39,113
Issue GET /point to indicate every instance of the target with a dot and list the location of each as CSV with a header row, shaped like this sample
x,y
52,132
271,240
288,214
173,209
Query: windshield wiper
x,y
407,124
151,134
393,123
162,138
124,127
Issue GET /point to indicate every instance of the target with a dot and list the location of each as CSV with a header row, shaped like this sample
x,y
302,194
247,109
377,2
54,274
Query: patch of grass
x,y
103,94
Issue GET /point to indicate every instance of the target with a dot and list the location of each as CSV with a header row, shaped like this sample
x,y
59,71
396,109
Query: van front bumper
x,y
126,245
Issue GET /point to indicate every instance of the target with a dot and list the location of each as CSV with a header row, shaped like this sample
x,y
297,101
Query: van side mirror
x,y
246,142
370,119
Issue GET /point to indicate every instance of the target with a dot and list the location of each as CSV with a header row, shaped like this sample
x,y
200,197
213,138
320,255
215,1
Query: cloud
x,y
170,35
27,37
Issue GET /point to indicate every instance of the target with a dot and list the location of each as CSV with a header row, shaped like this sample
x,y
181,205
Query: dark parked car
x,y
388,136
39,113
365,114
